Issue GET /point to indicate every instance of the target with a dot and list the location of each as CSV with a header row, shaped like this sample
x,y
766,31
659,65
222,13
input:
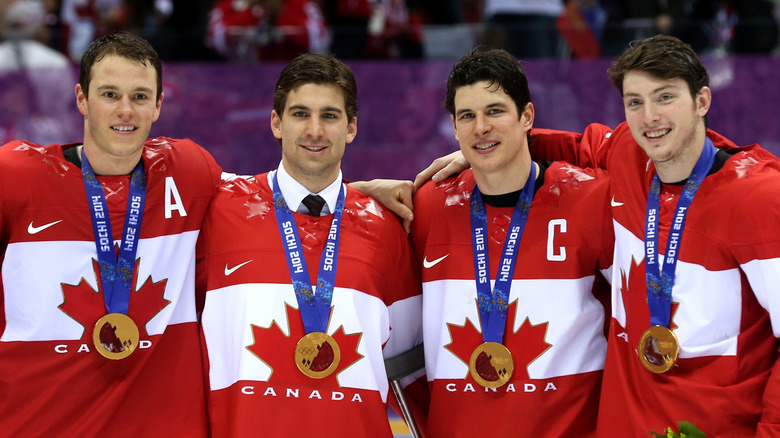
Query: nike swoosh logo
x,y
32,229
229,271
615,203
432,263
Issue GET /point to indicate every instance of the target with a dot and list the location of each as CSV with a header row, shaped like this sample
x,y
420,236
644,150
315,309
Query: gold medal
x,y
658,349
317,355
491,364
115,336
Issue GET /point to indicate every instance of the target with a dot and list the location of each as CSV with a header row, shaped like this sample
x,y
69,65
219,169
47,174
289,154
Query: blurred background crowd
x,y
222,58
251,31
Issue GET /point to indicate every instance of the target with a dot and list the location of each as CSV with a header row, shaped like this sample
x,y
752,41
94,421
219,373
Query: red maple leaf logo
x,y
636,277
625,276
526,344
675,306
268,342
86,305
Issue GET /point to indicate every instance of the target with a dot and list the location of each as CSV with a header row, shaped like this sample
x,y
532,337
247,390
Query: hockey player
x,y
694,333
301,304
513,323
98,331
695,325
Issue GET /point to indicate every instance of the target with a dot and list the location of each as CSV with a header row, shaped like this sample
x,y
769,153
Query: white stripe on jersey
x,y
231,311
575,324
33,274
711,323
765,287
628,251
406,315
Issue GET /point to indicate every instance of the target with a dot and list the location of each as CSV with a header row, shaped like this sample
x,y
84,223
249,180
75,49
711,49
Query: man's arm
x,y
586,149
442,168
394,194
758,253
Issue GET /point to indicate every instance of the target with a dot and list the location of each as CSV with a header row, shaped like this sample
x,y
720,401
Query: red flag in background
x,y
577,32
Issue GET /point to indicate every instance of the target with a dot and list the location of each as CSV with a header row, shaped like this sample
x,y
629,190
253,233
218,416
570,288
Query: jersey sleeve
x,y
757,249
607,230
201,271
587,149
212,175
423,202
403,279
3,232
214,169
758,254
406,323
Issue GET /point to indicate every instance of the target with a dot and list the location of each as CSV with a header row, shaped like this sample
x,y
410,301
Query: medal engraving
x,y
491,364
317,355
115,336
658,349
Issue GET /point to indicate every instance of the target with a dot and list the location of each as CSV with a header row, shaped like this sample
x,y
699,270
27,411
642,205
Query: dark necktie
x,y
314,203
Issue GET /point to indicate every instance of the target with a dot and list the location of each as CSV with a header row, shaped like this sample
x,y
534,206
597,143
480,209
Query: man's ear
x,y
703,101
276,125
454,127
351,130
81,100
527,116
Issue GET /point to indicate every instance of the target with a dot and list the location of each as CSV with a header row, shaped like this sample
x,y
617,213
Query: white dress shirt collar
x,y
294,192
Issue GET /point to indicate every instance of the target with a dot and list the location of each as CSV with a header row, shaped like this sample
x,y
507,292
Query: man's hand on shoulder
x,y
394,194
442,168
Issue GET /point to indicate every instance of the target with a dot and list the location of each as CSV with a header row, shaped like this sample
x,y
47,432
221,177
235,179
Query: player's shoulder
x,y
15,146
241,199
751,169
755,152
26,155
567,186
367,213
179,146
564,169
567,175
745,193
457,185
357,200
179,151
245,186
11,145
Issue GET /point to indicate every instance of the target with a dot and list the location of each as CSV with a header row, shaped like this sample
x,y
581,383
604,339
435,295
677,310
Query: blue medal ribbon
x,y
116,273
314,307
660,280
493,306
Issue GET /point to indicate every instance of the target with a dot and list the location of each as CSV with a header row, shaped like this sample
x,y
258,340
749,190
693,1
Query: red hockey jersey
x,y
251,321
555,322
52,381
725,307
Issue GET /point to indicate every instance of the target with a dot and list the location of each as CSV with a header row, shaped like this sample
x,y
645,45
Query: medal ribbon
x,y
314,307
116,273
660,280
493,306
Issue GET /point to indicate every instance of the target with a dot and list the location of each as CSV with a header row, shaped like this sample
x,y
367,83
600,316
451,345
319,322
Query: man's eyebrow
x,y
489,106
109,87
656,91
332,109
